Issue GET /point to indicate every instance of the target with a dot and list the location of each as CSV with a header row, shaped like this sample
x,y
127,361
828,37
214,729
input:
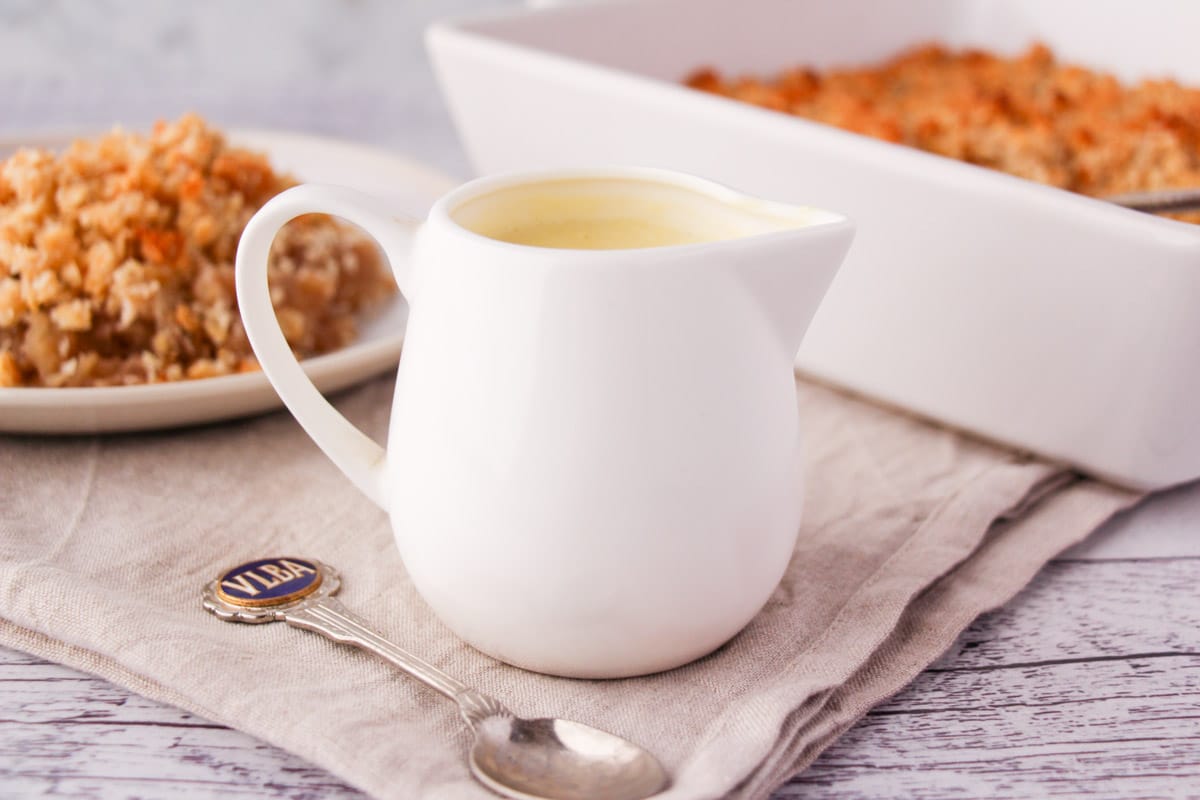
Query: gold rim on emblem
x,y
291,597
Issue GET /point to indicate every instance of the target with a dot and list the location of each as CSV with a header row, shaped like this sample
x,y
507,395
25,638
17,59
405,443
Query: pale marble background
x,y
351,68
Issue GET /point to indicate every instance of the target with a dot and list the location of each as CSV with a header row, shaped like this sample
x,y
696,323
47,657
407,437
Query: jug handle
x,y
355,454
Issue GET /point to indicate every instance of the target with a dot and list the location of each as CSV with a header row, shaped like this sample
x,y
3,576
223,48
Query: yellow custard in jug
x,y
608,214
597,234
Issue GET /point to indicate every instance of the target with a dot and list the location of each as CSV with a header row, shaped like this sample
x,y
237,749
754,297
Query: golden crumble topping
x,y
116,261
1030,116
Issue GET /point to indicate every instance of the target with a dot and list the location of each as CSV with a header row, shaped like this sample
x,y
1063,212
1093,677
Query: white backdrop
x,y
351,68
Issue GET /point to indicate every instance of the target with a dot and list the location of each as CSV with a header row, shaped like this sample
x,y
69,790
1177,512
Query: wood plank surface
x,y
1087,683
66,734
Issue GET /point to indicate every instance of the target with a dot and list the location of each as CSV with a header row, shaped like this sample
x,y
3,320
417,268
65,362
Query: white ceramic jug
x,y
594,457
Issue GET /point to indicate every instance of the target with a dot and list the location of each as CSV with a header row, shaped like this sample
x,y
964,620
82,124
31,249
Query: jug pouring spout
x,y
789,270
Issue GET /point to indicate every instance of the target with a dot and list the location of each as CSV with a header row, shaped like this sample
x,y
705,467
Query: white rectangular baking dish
x,y
1038,318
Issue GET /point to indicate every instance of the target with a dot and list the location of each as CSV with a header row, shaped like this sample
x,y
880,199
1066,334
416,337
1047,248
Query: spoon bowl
x,y
537,759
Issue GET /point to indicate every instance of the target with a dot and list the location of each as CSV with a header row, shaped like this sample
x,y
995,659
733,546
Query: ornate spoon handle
x,y
246,597
331,618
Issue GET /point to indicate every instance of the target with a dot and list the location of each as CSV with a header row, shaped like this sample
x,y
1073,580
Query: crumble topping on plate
x,y
117,261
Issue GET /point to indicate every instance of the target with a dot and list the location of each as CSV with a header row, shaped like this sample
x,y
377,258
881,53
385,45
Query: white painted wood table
x,y
1088,683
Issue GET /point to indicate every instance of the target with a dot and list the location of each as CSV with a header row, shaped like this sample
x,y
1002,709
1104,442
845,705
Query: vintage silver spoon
x,y
529,759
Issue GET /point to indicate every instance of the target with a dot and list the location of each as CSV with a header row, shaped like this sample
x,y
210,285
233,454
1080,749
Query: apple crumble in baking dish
x,y
1030,116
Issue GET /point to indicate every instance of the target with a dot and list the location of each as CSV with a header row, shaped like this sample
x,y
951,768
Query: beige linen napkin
x,y
910,532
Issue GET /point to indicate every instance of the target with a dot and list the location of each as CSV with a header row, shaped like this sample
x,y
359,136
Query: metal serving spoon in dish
x,y
1159,201
528,759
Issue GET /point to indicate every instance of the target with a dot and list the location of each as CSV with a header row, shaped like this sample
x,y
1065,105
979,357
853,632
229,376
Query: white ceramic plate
x,y
411,189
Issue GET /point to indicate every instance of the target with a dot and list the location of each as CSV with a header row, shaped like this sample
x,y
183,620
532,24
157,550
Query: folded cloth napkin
x,y
910,532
